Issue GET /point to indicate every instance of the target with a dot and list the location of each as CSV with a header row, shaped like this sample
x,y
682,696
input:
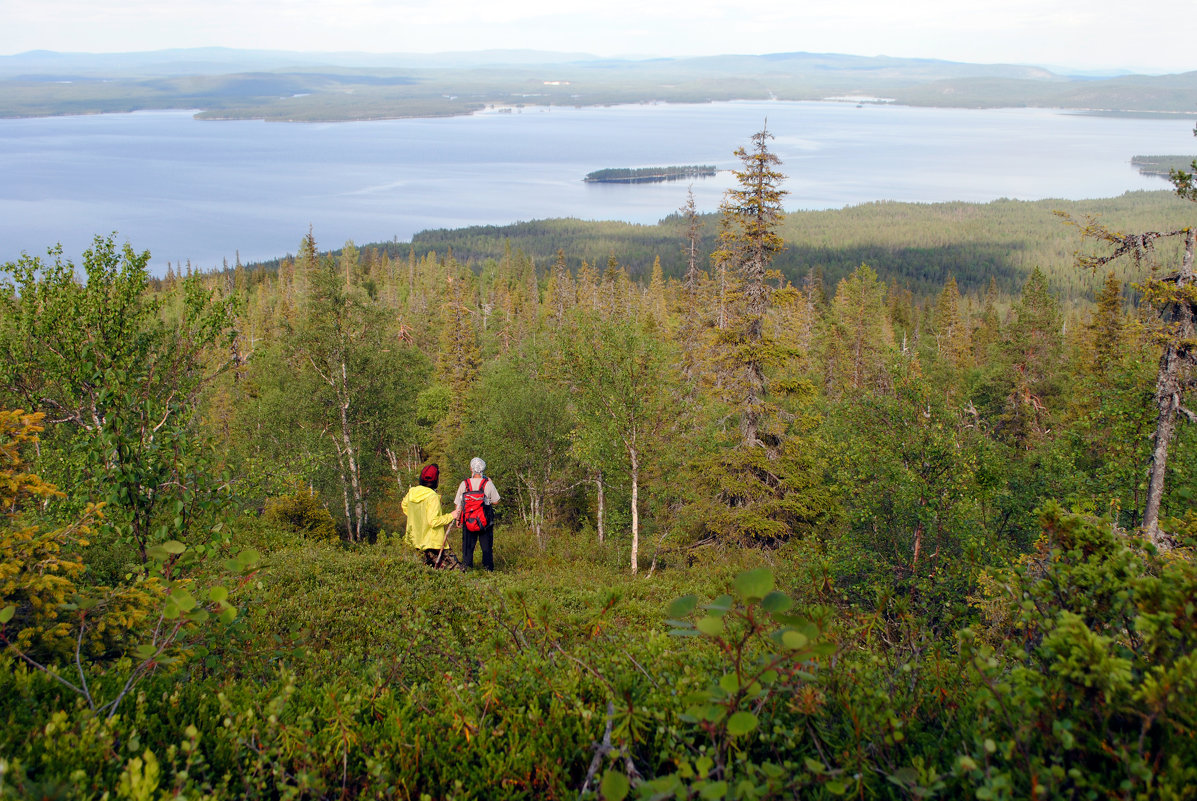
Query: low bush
x,y
304,513
359,673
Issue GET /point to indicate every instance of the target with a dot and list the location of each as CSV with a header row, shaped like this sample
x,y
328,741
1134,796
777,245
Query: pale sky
x,y
1145,36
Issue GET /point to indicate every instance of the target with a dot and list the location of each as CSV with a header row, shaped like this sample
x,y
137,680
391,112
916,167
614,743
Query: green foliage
x,y
902,633
617,374
914,508
1091,641
50,617
349,659
335,396
522,422
101,359
769,654
303,513
916,246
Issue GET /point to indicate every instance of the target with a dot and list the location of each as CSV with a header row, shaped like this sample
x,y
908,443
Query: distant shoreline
x,y
221,115
295,89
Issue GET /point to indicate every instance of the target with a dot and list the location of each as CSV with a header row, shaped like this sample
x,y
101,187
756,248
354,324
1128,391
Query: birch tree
x,y
369,380
618,375
521,423
121,376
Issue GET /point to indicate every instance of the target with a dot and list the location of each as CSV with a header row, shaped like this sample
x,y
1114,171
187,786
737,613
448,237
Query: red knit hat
x,y
430,473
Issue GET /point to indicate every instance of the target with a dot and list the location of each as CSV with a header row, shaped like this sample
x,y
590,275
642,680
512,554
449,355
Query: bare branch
x,y
79,664
40,666
600,751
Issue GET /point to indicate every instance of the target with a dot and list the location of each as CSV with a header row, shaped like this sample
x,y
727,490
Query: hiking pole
x,y
444,544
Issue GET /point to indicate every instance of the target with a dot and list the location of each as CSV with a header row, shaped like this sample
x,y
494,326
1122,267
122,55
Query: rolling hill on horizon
x,y
224,83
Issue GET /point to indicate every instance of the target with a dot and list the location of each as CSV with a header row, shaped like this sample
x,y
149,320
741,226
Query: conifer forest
x,y
890,502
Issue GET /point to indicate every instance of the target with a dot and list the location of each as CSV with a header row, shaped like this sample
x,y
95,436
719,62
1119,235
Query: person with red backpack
x,y
474,504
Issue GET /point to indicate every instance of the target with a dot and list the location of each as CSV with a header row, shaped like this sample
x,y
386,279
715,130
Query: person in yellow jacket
x,y
427,528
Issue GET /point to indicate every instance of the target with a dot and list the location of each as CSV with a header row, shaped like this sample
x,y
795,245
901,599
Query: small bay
x,y
208,191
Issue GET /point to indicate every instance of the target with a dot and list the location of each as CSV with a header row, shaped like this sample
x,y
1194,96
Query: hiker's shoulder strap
x,y
482,486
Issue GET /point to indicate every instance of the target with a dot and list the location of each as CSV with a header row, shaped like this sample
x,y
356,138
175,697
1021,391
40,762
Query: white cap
x,y
477,465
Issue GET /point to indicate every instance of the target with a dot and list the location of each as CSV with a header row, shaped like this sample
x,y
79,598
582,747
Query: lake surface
x,y
206,191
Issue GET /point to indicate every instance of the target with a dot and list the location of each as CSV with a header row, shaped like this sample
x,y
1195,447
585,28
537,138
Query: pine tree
x,y
306,264
587,285
987,333
1034,347
350,262
693,242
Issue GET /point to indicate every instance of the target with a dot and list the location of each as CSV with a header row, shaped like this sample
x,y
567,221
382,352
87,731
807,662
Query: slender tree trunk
x,y
635,458
538,519
359,506
750,422
1166,392
918,540
598,482
393,458
721,318
345,496
1167,398
918,546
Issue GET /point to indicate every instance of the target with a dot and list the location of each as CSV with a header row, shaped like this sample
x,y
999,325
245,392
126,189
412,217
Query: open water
x,y
208,191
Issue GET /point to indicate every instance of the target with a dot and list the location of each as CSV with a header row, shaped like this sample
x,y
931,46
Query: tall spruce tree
x,y
748,240
952,335
761,484
1106,324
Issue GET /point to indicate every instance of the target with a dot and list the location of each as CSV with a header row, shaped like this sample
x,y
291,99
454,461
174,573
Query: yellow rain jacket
x,y
425,523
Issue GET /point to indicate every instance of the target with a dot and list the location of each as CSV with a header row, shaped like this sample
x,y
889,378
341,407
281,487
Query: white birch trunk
x,y
359,508
635,458
601,508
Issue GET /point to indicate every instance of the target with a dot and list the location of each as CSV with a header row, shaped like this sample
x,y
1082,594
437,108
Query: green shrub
x,y
359,673
304,514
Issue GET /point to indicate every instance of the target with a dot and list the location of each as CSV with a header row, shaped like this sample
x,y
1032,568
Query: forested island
x,y
644,175
888,502
650,174
1163,166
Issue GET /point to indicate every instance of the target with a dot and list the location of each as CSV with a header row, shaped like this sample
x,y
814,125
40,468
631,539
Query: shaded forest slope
x,y
915,246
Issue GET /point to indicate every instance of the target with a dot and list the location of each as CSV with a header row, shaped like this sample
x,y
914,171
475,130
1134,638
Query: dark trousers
x,y
485,538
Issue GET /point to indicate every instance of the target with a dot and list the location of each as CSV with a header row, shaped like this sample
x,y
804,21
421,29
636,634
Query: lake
x,y
206,191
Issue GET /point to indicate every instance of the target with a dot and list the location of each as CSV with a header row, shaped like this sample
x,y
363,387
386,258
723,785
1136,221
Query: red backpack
x,y
475,512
